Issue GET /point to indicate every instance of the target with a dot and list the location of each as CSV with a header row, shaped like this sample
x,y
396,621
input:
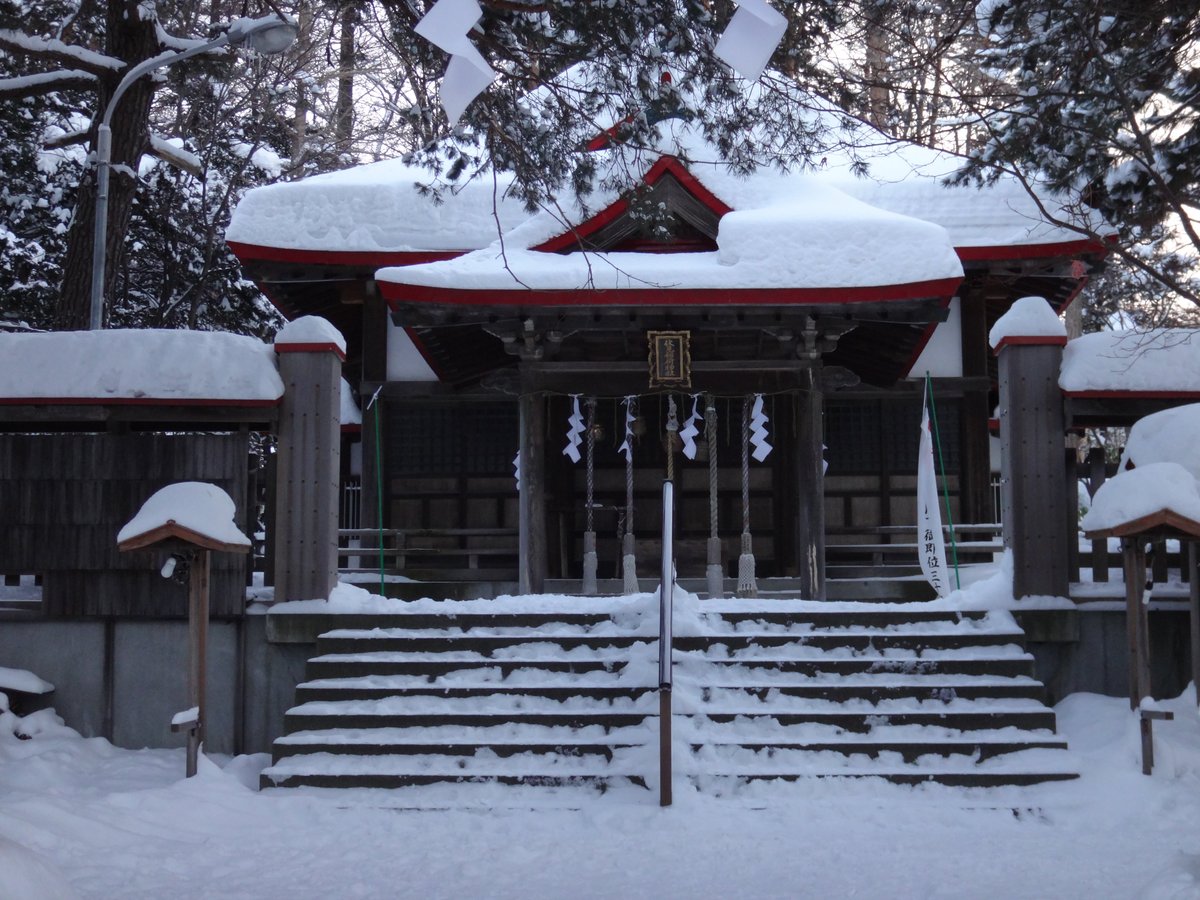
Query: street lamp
x,y
268,34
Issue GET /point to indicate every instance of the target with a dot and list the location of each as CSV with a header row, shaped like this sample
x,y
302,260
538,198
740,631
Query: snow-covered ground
x,y
82,815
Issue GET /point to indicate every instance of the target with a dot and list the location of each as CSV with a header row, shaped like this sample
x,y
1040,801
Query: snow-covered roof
x,y
194,510
373,208
827,240
1171,435
379,208
139,366
1143,493
1132,362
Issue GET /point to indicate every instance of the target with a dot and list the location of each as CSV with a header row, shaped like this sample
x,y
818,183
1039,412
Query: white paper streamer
x,y
752,36
446,26
517,470
689,431
574,432
758,430
627,447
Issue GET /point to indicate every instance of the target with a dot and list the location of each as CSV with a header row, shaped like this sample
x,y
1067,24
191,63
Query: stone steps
x,y
562,700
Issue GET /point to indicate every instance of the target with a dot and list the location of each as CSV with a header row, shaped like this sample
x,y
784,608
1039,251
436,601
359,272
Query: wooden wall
x,y
64,497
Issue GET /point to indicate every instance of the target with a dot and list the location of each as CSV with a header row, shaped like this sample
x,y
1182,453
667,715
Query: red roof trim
x,y
572,237
397,294
376,258
425,354
1030,251
134,401
311,347
1119,395
1031,340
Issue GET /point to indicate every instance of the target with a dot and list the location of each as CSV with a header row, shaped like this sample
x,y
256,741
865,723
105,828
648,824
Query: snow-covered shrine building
x,y
830,292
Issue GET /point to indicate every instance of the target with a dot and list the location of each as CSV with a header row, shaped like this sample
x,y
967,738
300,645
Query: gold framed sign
x,y
670,358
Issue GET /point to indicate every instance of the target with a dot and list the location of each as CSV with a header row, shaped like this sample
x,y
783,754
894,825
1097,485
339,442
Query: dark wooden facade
x,y
64,497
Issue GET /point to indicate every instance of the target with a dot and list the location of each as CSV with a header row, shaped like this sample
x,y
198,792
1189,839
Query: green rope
x,y
937,440
379,492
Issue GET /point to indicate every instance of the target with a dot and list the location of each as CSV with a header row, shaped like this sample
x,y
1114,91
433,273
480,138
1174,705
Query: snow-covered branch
x,y
45,82
57,51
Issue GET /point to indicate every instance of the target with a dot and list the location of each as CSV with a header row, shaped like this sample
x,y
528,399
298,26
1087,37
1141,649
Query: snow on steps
x,y
439,705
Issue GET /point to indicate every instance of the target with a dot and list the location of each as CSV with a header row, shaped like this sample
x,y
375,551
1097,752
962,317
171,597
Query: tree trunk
x,y
344,117
878,95
130,38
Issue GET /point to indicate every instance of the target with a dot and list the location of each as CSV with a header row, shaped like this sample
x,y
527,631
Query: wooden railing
x,y
450,553
882,550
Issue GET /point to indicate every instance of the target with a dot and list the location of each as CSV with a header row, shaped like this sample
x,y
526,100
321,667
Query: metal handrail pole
x,y
666,596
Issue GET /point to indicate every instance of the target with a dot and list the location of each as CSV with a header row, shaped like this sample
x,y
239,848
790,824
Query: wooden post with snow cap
x,y
1155,501
311,353
188,520
1029,341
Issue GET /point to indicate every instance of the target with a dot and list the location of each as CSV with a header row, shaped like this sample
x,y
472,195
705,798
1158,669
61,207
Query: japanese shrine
x,y
828,293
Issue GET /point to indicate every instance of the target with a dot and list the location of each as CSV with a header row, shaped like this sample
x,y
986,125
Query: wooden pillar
x,y
1137,624
375,336
308,460
1096,475
810,485
1193,563
1032,427
532,500
373,461
198,578
975,469
1071,510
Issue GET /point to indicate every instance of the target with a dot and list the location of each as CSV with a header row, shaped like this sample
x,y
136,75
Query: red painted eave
x,y
370,258
397,294
1009,252
1134,395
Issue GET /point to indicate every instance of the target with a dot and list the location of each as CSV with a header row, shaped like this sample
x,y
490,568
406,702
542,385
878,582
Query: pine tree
x,y
1101,105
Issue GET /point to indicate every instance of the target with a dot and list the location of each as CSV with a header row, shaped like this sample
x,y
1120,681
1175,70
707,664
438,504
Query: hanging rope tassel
x,y
746,586
589,534
716,568
628,549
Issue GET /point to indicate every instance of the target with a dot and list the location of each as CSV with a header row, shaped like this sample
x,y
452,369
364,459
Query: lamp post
x,y
268,34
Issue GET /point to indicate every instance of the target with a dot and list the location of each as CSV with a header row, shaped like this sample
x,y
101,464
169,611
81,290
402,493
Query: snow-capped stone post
x,y
188,519
311,352
1028,341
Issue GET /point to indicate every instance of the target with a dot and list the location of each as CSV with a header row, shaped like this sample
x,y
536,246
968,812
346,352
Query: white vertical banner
x,y
446,26
931,547
751,37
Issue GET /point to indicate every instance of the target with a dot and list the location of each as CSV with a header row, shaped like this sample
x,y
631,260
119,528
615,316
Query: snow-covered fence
x,y
99,420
